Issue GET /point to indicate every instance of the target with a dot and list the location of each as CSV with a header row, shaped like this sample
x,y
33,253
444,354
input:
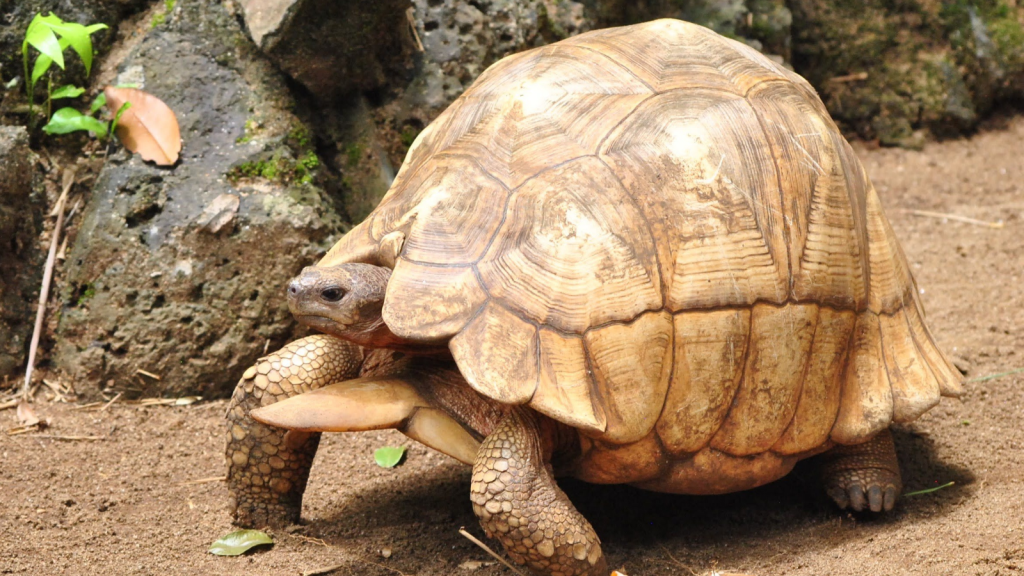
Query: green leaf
x,y
68,120
98,103
117,118
41,37
41,66
68,91
43,62
77,37
239,542
388,456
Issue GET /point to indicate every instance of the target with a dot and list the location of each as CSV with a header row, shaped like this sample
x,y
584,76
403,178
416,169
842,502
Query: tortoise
x,y
641,255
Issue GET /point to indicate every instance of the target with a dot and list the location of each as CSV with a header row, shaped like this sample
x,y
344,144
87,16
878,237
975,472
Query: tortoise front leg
x,y
268,467
515,496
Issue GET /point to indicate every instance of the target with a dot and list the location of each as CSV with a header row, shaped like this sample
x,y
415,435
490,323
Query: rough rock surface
x,y
180,272
886,69
332,47
764,24
20,272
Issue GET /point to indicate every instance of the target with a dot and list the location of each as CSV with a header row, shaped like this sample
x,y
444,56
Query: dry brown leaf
x,y
148,126
26,415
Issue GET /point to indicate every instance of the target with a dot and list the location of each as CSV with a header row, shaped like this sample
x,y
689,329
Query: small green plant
x,y
51,36
161,17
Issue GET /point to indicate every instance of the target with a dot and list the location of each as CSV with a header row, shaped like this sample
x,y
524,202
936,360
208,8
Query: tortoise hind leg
x,y
268,467
515,496
864,475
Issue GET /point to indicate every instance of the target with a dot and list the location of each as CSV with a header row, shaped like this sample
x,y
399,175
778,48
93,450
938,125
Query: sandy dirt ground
x,y
130,503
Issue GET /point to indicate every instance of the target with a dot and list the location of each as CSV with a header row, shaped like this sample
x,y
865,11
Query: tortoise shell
x,y
658,236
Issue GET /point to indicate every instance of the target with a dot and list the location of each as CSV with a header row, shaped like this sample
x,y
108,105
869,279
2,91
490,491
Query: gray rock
x,y
461,39
21,215
332,48
181,272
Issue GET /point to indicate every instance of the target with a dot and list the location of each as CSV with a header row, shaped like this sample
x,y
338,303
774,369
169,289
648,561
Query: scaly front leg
x,y
515,496
268,467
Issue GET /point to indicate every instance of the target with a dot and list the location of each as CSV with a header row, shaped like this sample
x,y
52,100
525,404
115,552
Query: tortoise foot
x,y
864,476
248,512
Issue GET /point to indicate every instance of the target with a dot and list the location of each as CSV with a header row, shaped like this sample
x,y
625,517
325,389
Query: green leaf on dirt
x,y
98,103
389,456
928,490
68,91
68,120
239,542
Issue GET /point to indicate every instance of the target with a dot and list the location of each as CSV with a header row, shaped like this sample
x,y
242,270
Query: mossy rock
x,y
886,68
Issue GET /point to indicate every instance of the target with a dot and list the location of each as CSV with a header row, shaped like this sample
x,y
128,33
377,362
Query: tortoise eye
x,y
332,294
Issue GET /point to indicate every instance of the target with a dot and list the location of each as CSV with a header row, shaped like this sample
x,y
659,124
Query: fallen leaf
x,y
148,126
26,416
219,213
388,456
239,542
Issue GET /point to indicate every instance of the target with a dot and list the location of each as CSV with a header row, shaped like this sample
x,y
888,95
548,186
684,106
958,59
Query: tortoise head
x,y
343,300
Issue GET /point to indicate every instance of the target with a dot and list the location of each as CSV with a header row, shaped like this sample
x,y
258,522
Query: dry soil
x,y
133,502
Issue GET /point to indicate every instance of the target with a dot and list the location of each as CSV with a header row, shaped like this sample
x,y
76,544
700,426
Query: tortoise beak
x,y
301,289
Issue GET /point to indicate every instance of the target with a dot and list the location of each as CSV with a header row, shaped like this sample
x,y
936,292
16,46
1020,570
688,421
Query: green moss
x,y
306,167
300,138
353,152
408,135
161,17
251,128
547,27
86,294
278,168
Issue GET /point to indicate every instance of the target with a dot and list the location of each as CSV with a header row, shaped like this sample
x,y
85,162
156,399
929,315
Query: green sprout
x,y
51,36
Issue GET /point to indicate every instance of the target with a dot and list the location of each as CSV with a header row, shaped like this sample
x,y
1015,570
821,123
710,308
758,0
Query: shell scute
x,y
569,258
776,365
711,193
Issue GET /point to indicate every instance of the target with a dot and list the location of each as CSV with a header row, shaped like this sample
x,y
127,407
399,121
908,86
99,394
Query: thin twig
x,y
57,437
112,400
321,570
44,291
150,374
310,539
204,480
849,77
956,217
487,549
22,429
412,26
